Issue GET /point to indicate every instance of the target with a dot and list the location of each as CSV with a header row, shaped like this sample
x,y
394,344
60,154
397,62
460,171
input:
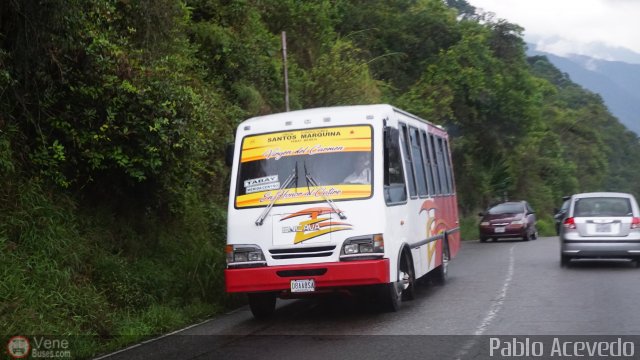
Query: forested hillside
x,y
617,82
114,115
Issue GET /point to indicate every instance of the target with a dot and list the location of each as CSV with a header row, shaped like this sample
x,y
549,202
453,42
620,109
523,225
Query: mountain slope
x,y
618,83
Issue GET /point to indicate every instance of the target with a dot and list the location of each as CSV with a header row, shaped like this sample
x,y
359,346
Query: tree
x,y
341,77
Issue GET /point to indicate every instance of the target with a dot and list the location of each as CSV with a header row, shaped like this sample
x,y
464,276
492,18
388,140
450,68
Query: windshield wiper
x,y
311,181
287,182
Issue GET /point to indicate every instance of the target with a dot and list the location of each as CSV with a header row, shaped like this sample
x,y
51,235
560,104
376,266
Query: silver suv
x,y
600,225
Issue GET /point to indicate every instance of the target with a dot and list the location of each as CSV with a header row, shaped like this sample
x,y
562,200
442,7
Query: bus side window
x,y
408,161
434,165
418,162
449,165
444,183
424,149
395,190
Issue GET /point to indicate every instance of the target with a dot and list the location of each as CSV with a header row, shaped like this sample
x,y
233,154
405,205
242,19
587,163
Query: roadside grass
x,y
101,282
469,228
546,226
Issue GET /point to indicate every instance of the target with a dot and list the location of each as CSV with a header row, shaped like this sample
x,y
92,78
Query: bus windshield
x,y
338,159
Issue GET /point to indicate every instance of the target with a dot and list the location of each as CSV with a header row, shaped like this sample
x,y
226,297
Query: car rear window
x,y
602,206
506,209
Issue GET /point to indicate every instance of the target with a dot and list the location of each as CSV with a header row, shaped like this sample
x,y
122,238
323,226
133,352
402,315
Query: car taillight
x,y
635,223
569,223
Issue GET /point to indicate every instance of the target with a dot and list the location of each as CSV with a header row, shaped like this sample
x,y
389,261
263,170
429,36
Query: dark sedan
x,y
513,219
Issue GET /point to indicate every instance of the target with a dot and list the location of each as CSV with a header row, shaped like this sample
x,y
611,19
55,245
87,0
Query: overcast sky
x,y
573,26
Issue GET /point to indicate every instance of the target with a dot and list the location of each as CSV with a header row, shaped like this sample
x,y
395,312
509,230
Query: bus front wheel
x,y
391,295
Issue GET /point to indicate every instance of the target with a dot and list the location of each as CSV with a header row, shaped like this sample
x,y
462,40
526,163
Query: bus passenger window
x,y
434,166
444,183
394,184
449,165
418,162
424,147
408,161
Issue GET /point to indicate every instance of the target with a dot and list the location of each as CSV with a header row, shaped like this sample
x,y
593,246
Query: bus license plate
x,y
307,285
499,229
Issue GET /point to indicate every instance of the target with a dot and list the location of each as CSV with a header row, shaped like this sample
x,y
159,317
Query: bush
x,y
469,228
546,226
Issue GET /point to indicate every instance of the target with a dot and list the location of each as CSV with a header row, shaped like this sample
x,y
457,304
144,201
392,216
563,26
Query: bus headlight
x,y
363,247
351,249
244,256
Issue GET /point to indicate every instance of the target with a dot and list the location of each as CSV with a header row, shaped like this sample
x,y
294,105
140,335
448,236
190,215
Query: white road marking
x,y
493,310
497,304
102,357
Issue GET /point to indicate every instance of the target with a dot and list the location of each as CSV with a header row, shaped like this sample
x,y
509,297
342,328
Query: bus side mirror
x,y
228,154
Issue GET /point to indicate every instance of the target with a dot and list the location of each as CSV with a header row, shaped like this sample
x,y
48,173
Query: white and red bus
x,y
339,198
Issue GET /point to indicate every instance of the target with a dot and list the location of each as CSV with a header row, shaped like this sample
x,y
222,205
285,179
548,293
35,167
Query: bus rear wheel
x,y
262,305
441,273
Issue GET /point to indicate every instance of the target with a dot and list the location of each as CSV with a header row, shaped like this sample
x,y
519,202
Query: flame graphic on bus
x,y
316,224
434,226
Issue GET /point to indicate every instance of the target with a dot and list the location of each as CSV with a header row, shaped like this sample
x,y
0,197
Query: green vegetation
x,y
114,115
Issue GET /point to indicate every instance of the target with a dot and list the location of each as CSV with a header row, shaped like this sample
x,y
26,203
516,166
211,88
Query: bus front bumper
x,y
326,275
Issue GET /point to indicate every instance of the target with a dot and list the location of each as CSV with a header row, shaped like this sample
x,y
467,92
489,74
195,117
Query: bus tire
x,y
441,273
390,295
262,305
407,278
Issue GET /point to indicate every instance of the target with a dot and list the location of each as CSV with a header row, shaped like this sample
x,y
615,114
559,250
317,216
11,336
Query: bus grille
x,y
296,253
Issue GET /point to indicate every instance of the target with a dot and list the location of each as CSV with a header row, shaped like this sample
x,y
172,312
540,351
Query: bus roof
x,y
322,111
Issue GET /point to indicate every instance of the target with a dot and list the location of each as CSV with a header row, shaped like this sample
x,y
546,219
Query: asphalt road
x,y
505,289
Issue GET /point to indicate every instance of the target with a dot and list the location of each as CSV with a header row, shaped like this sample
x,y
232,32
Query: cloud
x,y
578,22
